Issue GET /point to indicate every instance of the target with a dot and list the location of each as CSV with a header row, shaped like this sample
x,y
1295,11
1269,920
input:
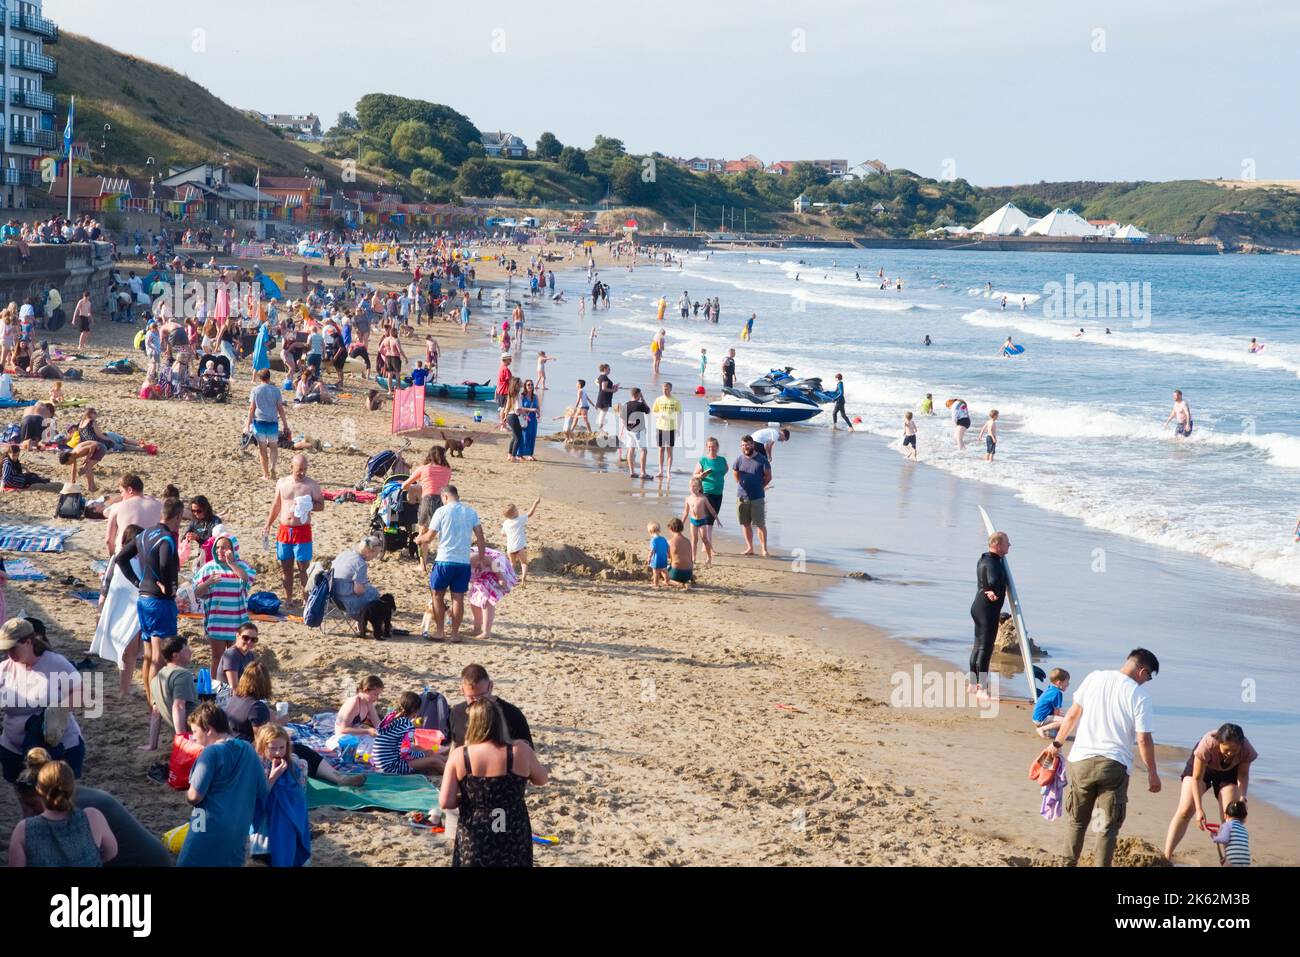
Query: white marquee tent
x,y
1062,223
1007,221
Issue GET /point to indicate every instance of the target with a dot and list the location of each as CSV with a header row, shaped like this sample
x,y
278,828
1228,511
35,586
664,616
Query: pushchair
x,y
214,378
395,516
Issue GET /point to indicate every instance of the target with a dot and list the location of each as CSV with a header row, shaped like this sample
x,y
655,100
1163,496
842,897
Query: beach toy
x,y
1212,828
478,416
546,841
173,839
699,390
440,421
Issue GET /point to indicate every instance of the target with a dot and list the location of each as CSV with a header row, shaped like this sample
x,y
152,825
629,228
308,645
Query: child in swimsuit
x,y
990,435
681,556
580,406
909,435
703,517
657,559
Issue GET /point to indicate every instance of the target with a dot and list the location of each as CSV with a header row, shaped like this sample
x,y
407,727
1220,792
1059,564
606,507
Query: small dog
x,y
456,447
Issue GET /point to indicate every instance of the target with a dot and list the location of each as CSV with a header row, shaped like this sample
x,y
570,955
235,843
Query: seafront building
x,y
30,123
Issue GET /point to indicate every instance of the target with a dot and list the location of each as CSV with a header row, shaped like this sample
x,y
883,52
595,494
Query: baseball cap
x,y
15,630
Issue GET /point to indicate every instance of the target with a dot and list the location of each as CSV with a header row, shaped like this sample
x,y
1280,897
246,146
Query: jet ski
x,y
735,408
787,405
779,379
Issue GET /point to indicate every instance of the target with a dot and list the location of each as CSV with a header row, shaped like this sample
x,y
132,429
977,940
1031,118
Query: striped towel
x,y
35,538
21,570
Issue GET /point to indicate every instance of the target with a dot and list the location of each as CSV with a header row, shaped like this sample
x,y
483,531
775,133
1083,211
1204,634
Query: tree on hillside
x,y
627,180
381,113
518,184
346,121
548,147
604,152
413,134
574,160
478,177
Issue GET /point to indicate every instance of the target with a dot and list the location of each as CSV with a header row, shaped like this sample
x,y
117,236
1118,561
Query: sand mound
x,y
1008,641
585,440
571,560
1132,852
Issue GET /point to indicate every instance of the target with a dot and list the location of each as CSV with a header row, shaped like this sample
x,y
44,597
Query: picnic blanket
x,y
35,538
21,570
317,738
331,494
386,792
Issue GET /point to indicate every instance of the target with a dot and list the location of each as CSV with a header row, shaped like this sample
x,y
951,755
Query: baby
x,y
657,559
514,528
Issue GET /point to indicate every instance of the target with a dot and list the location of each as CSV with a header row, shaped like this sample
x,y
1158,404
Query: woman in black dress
x,y
485,779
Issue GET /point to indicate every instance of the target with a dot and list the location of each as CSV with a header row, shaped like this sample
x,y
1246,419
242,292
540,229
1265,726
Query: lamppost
x,y
148,165
103,143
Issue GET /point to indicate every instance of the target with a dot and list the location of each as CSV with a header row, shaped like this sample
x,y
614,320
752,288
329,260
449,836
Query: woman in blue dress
x,y
529,406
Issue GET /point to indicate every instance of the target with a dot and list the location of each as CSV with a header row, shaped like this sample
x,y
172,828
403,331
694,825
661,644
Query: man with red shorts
x,y
296,497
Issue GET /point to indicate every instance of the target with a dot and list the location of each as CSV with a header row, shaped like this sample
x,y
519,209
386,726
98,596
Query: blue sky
x,y
1008,91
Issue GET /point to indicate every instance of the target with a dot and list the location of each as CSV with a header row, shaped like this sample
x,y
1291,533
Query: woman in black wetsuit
x,y
838,412
991,577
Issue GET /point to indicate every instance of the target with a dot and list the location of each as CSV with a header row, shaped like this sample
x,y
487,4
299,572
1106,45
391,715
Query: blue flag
x,y
67,130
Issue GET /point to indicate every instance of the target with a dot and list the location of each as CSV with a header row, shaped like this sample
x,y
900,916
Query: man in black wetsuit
x,y
729,369
159,564
991,576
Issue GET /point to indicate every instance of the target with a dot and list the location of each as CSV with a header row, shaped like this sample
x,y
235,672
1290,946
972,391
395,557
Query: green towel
x,y
388,792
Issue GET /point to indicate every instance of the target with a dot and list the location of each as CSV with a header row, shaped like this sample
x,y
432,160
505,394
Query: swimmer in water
x,y
1008,347
1079,334
857,276
1023,302
1004,302
1183,413
927,338
1255,346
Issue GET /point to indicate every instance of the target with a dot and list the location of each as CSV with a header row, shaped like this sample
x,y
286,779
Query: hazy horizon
x,y
1005,93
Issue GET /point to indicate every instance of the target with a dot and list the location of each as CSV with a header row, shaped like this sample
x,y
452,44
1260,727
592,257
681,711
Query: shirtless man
x,y
133,508
1183,413
293,541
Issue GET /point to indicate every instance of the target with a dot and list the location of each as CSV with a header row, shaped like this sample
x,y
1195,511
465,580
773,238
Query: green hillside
x,y
154,111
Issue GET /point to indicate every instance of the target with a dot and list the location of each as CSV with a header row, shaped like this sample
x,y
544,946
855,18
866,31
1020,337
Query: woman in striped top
x,y
223,583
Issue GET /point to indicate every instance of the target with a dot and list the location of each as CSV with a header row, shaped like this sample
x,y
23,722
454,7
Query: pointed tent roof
x,y
1062,223
1006,221
1130,232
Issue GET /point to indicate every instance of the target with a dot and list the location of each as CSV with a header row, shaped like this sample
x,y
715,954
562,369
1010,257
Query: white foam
x,y
1211,348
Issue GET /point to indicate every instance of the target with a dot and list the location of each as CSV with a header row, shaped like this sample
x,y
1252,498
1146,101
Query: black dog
x,y
378,614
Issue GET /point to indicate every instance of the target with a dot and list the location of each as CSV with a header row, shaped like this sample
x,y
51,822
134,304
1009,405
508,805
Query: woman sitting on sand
x,y
358,714
61,835
248,709
1221,760
485,779
16,477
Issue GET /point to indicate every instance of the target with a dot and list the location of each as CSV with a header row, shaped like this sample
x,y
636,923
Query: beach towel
x,y
118,620
260,358
302,508
331,495
1052,794
21,570
16,403
280,826
35,538
408,792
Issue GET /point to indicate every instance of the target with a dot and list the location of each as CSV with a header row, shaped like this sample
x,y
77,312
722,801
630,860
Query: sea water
x,y
1122,533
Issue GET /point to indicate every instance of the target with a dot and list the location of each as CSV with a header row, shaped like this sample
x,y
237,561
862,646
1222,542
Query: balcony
x,y
36,62
34,24
32,99
43,139
20,177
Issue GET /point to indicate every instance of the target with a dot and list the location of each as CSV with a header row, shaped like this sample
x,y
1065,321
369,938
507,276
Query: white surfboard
x,y
1017,615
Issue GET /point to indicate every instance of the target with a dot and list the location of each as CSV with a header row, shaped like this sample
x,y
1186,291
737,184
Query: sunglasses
x,y
251,639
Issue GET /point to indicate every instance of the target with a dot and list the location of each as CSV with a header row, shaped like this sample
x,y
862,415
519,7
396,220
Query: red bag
x,y
185,751
1043,770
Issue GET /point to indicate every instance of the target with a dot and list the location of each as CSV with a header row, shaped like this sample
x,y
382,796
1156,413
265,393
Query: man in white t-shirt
x,y
766,439
457,528
1111,712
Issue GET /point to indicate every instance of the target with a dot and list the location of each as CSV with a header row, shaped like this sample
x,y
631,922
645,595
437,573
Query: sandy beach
x,y
740,723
